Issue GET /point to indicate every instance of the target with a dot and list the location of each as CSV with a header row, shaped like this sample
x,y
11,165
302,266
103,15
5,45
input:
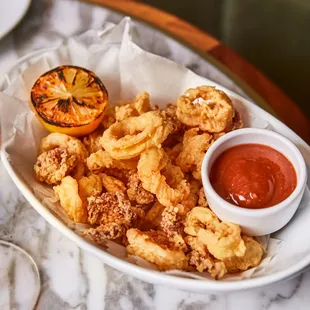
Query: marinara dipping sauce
x,y
253,176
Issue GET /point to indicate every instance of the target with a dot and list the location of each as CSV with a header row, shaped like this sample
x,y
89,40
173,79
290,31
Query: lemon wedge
x,y
69,100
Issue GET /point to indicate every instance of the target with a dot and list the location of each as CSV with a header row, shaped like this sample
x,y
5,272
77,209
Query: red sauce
x,y
253,176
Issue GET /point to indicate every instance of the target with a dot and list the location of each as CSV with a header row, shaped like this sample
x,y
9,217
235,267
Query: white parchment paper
x,y
126,70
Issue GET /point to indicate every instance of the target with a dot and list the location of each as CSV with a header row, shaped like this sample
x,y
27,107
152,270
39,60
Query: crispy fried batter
x,y
73,146
153,216
129,138
223,239
109,231
202,200
91,142
170,114
174,151
137,193
112,184
100,161
68,194
141,104
203,260
171,220
157,248
53,165
194,148
205,107
90,186
149,170
191,200
112,208
109,118
236,123
252,256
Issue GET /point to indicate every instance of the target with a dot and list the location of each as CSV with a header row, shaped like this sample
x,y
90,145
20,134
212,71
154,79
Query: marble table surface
x,y
70,277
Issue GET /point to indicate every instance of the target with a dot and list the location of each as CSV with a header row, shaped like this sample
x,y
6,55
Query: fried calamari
x,y
68,194
205,107
150,167
130,137
109,209
53,165
73,146
195,145
222,239
136,180
156,247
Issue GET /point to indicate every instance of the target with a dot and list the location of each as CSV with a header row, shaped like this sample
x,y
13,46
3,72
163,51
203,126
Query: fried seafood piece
x,y
89,186
172,217
137,193
203,260
91,141
152,166
129,138
112,184
109,231
109,118
222,239
202,200
251,258
108,209
174,151
153,216
73,146
68,194
101,160
236,123
191,200
141,104
205,107
171,220
194,148
170,114
53,165
156,247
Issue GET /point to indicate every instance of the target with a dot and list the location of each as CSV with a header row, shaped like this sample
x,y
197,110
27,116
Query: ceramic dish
x,y
11,13
257,222
295,252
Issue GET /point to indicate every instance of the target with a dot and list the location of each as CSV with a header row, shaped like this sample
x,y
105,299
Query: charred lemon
x,y
69,100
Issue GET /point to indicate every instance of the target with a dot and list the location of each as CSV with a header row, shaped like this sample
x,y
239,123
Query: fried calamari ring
x,y
73,145
203,260
223,239
68,194
112,184
101,160
153,180
130,137
141,104
205,107
53,165
156,247
193,151
252,257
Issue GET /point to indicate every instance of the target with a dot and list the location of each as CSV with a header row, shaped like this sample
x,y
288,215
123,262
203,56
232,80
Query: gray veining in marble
x,y
71,278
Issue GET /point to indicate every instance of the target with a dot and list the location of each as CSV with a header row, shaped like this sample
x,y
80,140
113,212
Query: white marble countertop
x,y
70,277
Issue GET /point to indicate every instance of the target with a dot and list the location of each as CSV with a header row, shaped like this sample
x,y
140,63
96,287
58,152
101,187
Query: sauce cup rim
x,y
301,179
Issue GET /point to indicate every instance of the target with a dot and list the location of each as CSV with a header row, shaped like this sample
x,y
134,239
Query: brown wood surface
x,y
283,106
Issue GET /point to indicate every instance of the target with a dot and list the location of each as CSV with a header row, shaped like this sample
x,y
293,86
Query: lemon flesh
x,y
70,100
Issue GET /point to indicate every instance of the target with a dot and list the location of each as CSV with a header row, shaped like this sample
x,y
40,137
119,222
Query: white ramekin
x,y
255,222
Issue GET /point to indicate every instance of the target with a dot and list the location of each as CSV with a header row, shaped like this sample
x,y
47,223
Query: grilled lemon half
x,y
69,100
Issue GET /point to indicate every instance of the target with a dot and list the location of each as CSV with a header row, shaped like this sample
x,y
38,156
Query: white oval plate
x,y
295,253
11,13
